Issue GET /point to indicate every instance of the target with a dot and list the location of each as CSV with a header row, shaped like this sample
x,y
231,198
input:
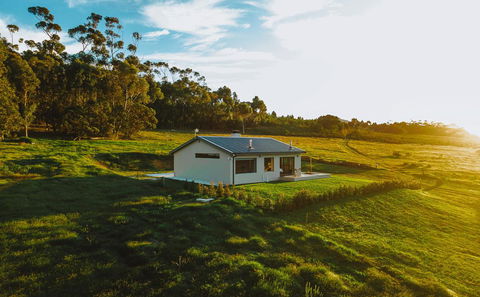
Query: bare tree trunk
x,y
243,126
25,99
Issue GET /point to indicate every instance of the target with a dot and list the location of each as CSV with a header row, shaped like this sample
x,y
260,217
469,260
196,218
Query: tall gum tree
x,y
25,83
9,115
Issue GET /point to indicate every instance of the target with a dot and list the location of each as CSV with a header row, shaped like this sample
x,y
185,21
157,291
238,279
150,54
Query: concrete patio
x,y
304,176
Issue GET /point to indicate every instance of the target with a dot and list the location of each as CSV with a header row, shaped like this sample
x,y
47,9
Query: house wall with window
x,y
260,172
204,162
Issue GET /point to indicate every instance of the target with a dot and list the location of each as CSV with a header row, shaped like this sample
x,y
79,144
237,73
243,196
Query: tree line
x,y
106,90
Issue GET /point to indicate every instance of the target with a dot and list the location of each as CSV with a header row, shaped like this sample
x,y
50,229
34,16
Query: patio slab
x,y
305,176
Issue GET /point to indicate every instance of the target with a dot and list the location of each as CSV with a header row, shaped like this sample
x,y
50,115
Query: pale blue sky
x,y
379,60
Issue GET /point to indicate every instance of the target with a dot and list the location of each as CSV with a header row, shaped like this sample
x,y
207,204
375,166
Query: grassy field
x,y
72,223
275,190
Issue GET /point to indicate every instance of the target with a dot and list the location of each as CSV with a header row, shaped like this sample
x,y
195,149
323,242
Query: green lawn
x,y
274,190
73,224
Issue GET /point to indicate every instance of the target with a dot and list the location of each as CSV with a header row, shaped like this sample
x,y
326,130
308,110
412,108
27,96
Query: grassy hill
x,y
74,223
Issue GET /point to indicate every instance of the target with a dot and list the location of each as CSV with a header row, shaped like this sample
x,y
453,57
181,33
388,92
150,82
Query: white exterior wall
x,y
260,175
208,170
215,170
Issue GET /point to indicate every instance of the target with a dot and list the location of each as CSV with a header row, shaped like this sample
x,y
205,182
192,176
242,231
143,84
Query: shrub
x,y
26,140
220,190
200,189
242,196
228,192
212,192
268,204
236,194
304,197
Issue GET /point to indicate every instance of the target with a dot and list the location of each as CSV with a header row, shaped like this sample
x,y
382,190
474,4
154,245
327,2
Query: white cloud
x,y
155,34
74,3
394,61
205,20
222,66
24,32
281,10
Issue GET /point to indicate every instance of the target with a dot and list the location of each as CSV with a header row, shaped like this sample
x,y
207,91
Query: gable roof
x,y
240,145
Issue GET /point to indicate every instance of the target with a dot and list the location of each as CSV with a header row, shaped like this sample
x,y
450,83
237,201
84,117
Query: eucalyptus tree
x,y
243,112
259,110
13,29
25,83
46,23
9,115
114,43
88,34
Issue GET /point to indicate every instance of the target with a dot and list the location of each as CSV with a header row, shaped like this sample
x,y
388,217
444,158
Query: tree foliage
x,y
9,116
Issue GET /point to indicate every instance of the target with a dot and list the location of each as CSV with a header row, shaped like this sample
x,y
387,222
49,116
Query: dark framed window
x,y
207,156
268,164
245,166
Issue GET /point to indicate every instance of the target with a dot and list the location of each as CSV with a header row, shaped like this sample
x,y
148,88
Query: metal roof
x,y
241,145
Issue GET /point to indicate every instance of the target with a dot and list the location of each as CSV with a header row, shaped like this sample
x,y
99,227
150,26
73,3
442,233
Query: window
x,y
268,164
207,156
245,166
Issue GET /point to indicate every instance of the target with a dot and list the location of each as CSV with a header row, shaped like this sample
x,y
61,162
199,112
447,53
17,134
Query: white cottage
x,y
235,160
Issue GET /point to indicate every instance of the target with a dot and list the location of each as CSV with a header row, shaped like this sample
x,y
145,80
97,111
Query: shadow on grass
x,y
36,166
136,161
331,167
42,197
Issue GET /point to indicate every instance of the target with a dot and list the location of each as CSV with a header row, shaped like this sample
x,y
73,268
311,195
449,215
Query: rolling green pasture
x,y
73,223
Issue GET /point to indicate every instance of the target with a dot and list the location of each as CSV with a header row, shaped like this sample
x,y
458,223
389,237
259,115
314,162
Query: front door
x,y
287,164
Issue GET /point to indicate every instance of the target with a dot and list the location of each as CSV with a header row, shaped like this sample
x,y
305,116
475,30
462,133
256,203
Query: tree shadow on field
x,y
335,167
42,197
37,166
134,161
66,234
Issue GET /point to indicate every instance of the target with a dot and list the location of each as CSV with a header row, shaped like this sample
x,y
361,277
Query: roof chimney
x,y
236,133
291,146
250,144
